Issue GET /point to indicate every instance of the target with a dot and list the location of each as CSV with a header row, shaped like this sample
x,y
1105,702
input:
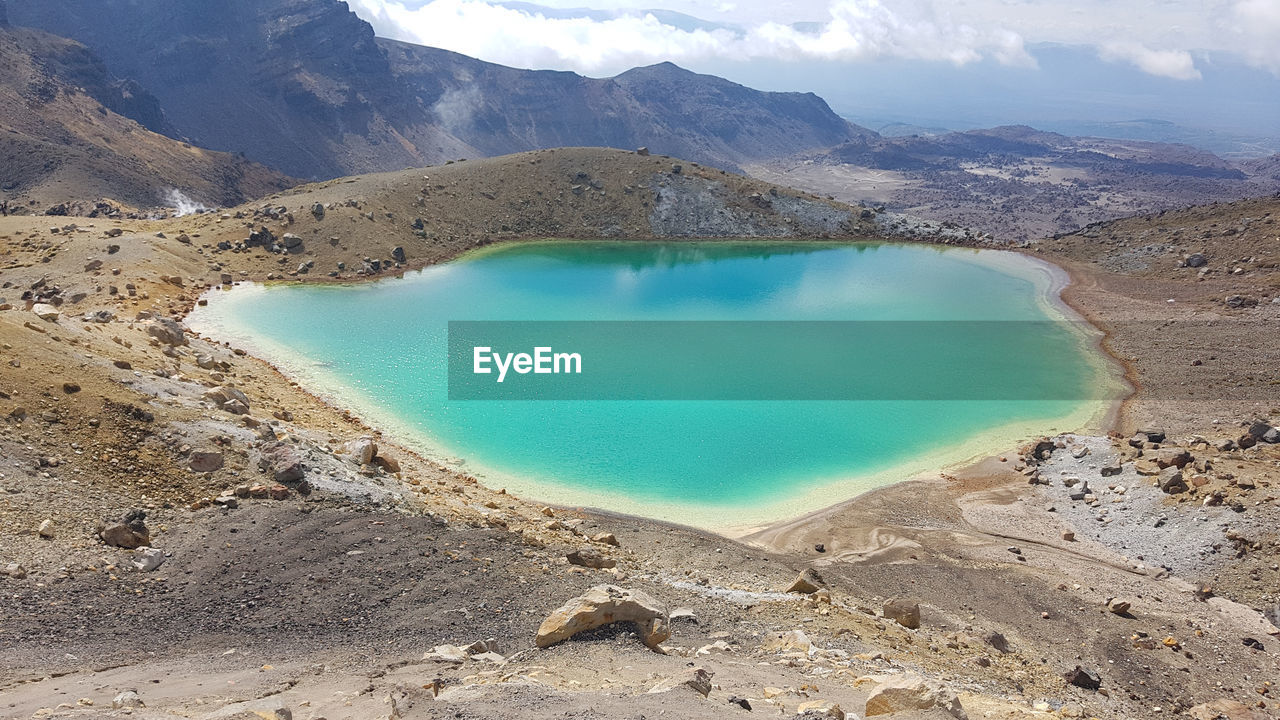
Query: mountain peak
x,y
329,99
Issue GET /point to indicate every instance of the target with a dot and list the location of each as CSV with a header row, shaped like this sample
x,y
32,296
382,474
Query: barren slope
x,y
324,601
63,139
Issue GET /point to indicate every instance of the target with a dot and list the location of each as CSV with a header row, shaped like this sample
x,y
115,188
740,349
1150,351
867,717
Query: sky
x,y
1174,45
1159,37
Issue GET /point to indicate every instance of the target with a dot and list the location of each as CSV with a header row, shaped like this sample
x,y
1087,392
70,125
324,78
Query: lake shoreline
x,y
748,520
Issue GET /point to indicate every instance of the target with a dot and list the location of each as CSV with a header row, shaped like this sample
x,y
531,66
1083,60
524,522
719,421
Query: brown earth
x,y
324,602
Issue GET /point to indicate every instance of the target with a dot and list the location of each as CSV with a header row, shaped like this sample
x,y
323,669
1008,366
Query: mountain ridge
x,y
314,93
73,135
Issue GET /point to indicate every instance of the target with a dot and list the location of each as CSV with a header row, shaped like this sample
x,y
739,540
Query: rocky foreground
x,y
189,534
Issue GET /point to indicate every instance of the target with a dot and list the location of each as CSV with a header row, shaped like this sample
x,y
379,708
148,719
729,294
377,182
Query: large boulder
x,y
205,461
912,692
363,450
130,533
168,332
904,612
228,398
1262,430
127,699
604,605
1172,482
587,557
1082,678
807,583
45,311
282,462
1171,457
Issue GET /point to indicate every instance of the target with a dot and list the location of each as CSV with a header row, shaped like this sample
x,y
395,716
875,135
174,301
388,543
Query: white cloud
x,y
1256,26
1161,37
852,30
1176,64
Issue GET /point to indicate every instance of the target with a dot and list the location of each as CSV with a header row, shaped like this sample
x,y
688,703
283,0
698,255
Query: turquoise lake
x,y
380,348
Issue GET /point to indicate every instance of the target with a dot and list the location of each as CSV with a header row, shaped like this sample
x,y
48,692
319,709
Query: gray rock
x,y
604,605
228,398
168,332
204,461
1083,678
282,462
1259,428
904,612
696,679
397,254
446,654
807,582
1171,481
127,699
147,559
123,536
912,692
15,571
587,557
363,450
46,312
1195,260
318,211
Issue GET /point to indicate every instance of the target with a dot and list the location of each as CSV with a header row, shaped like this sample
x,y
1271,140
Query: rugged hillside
x,y
74,134
351,227
498,109
303,85
295,84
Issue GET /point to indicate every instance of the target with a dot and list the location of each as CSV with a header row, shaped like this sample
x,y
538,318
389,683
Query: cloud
x,y
1255,24
1164,38
525,36
1176,64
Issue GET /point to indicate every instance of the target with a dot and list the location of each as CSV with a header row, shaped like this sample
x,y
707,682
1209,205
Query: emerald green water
x,y
380,348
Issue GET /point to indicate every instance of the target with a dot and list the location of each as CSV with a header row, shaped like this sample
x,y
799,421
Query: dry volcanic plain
x,y
185,533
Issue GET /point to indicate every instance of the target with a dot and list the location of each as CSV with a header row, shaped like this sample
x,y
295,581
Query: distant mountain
x,y
1010,144
70,132
1267,167
1019,183
304,86
1229,145
499,110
